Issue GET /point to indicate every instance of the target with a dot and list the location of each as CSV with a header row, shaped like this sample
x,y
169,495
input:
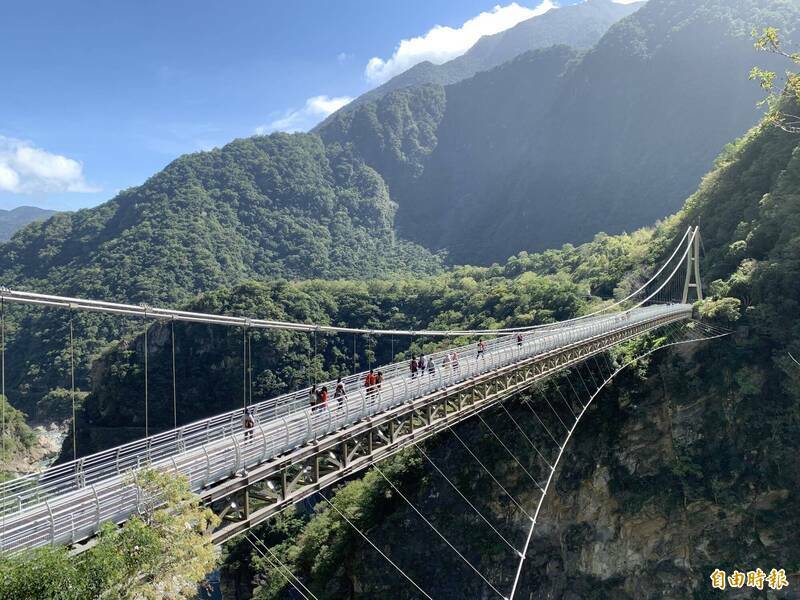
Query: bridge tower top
x,y
693,280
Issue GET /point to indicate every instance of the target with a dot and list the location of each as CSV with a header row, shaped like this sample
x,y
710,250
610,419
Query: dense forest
x,y
700,445
486,167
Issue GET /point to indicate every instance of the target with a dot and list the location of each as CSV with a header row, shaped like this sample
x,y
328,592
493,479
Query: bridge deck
x,y
68,503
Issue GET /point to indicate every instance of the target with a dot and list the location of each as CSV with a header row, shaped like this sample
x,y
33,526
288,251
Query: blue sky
x,y
97,96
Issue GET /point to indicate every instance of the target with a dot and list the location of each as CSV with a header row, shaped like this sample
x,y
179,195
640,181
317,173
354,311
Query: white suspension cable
x,y
566,442
433,527
525,435
272,564
232,321
511,454
366,539
471,505
500,485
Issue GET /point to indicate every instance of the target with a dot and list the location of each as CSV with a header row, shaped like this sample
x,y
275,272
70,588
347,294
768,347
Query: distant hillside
x,y
16,218
264,207
579,26
554,146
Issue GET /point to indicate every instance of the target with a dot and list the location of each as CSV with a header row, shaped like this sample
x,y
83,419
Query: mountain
x,y
578,26
16,218
691,454
556,145
266,207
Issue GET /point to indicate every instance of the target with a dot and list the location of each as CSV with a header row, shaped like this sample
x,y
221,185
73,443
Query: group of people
x,y
373,382
318,397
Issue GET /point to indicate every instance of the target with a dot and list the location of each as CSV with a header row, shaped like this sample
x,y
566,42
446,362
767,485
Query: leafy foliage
x,y
555,145
164,553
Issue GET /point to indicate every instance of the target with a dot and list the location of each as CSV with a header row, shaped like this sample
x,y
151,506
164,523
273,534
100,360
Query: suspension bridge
x,y
296,449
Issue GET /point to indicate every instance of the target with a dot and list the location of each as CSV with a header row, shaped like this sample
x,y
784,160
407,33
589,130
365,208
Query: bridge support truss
x,y
246,500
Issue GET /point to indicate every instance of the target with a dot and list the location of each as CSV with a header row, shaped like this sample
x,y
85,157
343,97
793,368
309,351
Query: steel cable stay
x,y
248,536
511,454
491,475
525,435
547,429
439,533
471,505
370,542
712,334
276,558
234,321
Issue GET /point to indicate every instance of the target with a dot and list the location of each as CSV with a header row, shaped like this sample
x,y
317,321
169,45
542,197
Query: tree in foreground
x,y
782,92
164,552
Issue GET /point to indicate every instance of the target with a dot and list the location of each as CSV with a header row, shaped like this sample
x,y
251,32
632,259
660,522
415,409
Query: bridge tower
x,y
693,268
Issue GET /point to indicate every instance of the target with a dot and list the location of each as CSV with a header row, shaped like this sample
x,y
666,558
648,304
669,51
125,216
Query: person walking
x,y
519,340
312,397
248,422
414,366
339,393
431,367
481,348
421,364
454,361
369,382
323,397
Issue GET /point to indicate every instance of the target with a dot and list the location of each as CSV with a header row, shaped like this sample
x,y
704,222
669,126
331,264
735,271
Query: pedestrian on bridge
x,y
414,366
370,382
519,340
454,361
339,393
431,367
481,348
421,364
323,397
313,397
248,422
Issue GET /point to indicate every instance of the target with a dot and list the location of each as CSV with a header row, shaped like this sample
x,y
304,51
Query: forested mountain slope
x,y
553,146
279,206
16,218
579,26
686,464
268,206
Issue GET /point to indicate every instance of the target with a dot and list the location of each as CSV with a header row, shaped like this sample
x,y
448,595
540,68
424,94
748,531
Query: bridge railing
x,y
64,513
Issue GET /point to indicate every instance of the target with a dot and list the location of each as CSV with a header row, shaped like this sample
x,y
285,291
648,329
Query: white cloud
x,y
441,43
302,119
26,169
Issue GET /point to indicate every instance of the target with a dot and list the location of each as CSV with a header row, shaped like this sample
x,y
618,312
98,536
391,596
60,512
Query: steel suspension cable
x,y
72,389
278,568
560,420
471,505
4,401
569,408
525,435
164,313
249,368
366,539
433,527
146,404
244,367
488,472
552,437
174,378
510,453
